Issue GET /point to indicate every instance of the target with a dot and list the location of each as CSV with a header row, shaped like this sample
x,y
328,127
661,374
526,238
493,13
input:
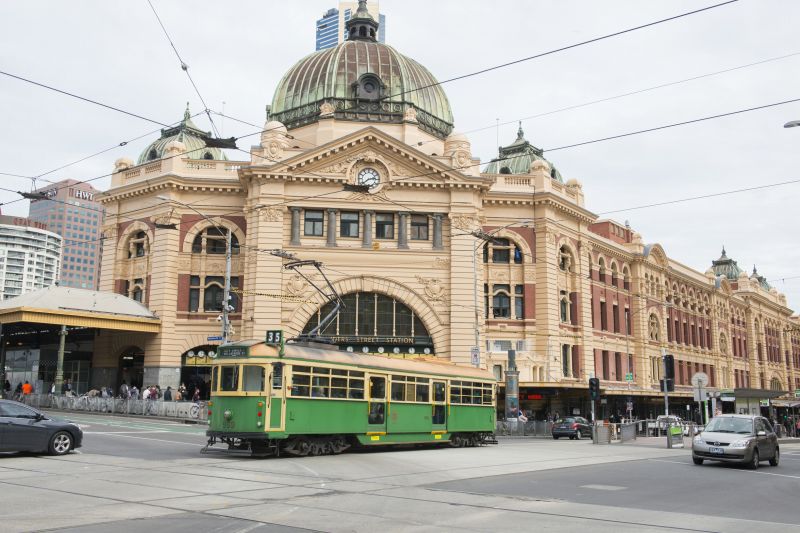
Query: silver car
x,y
744,439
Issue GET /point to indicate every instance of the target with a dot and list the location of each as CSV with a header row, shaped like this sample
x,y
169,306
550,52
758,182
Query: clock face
x,y
369,177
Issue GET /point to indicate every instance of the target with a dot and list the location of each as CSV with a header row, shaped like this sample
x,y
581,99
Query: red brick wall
x,y
183,292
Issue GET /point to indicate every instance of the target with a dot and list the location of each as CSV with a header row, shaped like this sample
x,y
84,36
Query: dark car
x,y
573,427
24,429
744,439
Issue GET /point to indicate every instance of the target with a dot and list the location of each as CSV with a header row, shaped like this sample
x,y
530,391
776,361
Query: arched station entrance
x,y
371,322
131,367
196,370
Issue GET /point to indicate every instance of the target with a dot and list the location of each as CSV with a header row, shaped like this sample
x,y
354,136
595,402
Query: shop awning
x,y
786,403
67,306
760,394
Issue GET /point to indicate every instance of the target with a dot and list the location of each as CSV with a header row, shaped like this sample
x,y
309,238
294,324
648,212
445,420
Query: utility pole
x,y
62,337
2,364
666,386
226,294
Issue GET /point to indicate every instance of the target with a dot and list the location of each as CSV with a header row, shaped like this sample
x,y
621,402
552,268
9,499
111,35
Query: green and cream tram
x,y
315,399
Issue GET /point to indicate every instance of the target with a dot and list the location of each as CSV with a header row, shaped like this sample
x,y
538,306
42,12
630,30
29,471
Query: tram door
x,y
439,408
276,397
377,405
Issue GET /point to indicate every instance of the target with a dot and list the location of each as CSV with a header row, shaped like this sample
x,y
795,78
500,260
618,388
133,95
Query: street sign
x,y
763,403
797,393
629,376
700,395
475,355
214,338
699,380
630,406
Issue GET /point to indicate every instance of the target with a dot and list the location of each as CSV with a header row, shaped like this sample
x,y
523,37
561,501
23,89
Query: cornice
x,y
164,183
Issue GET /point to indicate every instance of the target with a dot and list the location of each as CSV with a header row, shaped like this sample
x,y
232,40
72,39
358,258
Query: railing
x,y
531,428
177,410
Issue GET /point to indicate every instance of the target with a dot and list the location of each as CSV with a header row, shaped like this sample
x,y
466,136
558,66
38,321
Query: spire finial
x,y
362,26
755,272
723,250
186,114
520,133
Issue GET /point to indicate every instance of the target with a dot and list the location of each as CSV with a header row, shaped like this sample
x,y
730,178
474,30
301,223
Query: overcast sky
x,y
115,52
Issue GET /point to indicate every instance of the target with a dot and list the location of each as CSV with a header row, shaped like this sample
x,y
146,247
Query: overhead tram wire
x,y
562,49
185,68
85,99
623,95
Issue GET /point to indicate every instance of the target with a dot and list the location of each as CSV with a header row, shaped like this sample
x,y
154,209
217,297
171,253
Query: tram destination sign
x,y
232,351
357,339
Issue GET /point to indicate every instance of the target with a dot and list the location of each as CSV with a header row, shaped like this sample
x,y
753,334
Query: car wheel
x,y
697,460
777,459
754,462
555,437
60,443
577,434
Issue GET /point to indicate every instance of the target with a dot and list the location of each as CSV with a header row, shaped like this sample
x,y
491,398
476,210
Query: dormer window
x,y
208,155
369,87
153,155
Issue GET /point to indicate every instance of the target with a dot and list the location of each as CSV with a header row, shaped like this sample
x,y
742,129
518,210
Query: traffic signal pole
x,y
666,385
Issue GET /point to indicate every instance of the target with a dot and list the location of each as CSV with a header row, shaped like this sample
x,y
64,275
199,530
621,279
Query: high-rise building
x,y
332,27
71,211
29,256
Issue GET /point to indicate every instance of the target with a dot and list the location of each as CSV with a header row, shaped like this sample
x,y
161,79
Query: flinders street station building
x,y
359,168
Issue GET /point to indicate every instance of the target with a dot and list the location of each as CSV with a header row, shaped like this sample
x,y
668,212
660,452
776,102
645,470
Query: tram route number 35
x,y
274,337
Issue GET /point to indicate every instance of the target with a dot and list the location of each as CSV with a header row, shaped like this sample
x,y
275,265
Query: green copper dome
x,y
517,158
362,80
187,133
726,267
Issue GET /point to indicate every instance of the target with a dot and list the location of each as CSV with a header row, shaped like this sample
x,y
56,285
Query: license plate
x,y
717,451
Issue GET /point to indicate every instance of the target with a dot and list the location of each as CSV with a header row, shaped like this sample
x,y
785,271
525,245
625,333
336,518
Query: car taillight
x,y
575,426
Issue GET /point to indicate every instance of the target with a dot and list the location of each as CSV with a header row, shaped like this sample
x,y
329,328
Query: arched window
x,y
502,251
626,278
501,304
215,239
775,384
371,322
614,275
208,155
564,307
137,294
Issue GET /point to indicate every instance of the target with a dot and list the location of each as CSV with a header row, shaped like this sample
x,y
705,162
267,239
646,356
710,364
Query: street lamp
x,y
226,295
482,236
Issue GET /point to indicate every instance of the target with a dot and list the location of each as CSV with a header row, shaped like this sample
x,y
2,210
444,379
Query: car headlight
x,y
744,443
698,440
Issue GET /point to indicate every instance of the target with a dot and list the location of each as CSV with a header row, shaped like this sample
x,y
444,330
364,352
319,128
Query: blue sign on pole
x,y
215,338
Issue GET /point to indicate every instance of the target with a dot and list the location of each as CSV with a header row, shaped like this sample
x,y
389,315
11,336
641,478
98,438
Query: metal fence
x,y
531,428
178,410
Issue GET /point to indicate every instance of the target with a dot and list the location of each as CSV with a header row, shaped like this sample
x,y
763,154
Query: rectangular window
x,y
501,251
618,366
253,378
348,224
314,223
627,321
419,227
566,359
229,378
603,317
384,226
519,302
615,317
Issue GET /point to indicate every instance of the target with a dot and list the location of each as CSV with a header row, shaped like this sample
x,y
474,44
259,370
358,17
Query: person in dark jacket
x,y
168,394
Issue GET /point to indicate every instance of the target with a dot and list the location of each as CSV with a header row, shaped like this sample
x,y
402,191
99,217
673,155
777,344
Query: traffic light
x,y
669,367
594,388
670,385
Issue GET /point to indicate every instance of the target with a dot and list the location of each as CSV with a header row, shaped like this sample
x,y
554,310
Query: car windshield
x,y
743,426
565,421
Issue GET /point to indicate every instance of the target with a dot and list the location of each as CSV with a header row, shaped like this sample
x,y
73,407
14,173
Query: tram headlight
x,y
227,414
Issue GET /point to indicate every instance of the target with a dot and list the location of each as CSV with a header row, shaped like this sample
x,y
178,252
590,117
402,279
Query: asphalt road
x,y
136,475
663,484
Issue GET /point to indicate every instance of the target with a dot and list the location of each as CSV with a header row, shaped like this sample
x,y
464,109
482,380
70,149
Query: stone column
x,y
437,231
295,241
331,228
367,241
402,233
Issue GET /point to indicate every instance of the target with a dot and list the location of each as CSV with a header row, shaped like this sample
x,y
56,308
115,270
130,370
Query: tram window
x,y
253,378
398,391
354,374
277,376
306,369
438,392
377,388
320,386
323,371
470,393
229,378
339,387
337,372
356,390
214,378
300,384
423,393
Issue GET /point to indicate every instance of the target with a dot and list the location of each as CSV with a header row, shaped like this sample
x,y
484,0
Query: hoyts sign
x,y
83,195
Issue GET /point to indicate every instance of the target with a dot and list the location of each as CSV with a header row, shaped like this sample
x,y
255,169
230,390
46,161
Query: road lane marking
x,y
603,487
123,432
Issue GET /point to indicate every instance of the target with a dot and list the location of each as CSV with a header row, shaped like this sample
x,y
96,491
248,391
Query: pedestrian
x,y
182,391
53,388
7,389
66,388
196,395
145,393
159,394
123,390
27,388
134,392
168,394
18,391
103,392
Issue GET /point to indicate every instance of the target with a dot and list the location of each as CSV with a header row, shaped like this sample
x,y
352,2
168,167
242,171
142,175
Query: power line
x,y
673,125
184,67
626,94
85,99
562,49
